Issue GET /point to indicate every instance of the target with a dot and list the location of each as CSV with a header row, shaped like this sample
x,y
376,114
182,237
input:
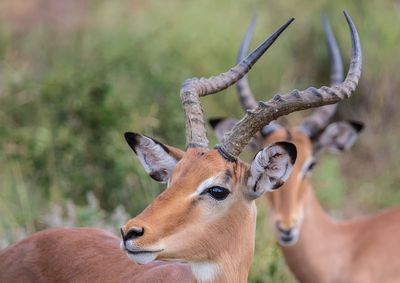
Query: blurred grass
x,y
75,75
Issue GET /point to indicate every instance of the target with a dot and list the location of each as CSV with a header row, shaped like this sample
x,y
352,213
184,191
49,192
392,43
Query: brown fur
x,y
175,152
81,255
357,251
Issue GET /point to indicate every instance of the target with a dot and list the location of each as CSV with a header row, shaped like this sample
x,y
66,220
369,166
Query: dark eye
x,y
311,166
218,193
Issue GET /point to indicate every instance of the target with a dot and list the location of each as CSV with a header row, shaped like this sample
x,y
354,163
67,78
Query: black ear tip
x,y
357,125
132,139
214,122
291,150
128,136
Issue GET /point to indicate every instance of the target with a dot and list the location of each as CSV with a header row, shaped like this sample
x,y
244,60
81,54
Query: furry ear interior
x,y
270,168
157,159
339,136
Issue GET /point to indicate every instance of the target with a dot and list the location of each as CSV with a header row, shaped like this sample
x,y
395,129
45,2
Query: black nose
x,y
132,233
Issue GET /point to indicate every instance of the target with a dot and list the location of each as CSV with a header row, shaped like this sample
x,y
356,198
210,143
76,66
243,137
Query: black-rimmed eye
x,y
311,166
219,193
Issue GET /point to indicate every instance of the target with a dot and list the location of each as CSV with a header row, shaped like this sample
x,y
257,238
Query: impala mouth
x,y
288,238
140,256
141,252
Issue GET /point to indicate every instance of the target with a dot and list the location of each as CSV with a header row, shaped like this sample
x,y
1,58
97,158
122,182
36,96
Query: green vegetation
x,y
76,75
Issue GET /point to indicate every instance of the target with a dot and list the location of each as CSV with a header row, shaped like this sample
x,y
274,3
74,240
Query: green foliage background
x,y
75,75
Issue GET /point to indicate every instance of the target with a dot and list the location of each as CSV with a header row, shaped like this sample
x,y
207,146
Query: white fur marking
x,y
142,258
204,271
207,183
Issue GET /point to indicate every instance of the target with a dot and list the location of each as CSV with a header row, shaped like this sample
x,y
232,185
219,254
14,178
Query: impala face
x,y
287,204
208,206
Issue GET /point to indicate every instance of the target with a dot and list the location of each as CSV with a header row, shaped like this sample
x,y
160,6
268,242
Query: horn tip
x,y
347,16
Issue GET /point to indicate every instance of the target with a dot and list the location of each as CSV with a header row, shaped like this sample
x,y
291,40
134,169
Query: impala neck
x,y
316,253
234,263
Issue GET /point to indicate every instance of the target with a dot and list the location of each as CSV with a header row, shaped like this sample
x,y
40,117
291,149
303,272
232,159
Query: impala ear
x,y
339,136
158,160
270,168
223,125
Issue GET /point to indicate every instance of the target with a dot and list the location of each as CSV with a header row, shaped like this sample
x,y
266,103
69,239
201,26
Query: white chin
x,y
142,258
294,239
287,243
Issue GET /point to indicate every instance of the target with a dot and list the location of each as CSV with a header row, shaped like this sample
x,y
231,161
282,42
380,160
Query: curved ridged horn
x,y
246,96
296,100
320,117
192,89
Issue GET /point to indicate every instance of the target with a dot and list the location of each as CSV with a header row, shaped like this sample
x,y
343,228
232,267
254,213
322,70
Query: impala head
x,y
208,200
287,205
311,136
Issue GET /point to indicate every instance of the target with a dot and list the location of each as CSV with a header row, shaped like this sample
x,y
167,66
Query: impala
x,y
206,215
316,247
